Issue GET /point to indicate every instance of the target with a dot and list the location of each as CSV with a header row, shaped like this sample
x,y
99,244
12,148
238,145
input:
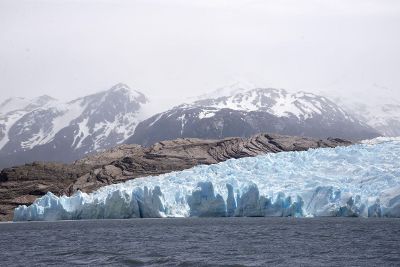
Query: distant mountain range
x,y
45,129
383,115
248,112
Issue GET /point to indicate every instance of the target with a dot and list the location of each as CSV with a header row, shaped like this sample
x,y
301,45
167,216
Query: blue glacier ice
x,y
361,180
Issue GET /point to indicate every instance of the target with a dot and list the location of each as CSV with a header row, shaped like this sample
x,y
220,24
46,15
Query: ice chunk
x,y
359,180
204,203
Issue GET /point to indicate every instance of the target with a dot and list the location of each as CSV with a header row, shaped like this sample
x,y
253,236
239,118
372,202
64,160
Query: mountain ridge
x,y
250,112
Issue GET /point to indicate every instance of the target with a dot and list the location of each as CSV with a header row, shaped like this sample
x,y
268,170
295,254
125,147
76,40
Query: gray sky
x,y
174,49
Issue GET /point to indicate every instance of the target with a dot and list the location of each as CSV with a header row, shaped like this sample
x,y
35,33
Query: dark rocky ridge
x,y
23,184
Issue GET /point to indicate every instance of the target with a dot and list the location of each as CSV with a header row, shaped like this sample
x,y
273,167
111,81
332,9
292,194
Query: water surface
x,y
203,242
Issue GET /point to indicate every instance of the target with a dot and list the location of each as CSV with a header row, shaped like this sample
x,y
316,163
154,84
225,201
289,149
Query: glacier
x,y
362,180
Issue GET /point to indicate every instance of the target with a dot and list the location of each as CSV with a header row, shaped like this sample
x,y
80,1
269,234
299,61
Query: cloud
x,y
173,49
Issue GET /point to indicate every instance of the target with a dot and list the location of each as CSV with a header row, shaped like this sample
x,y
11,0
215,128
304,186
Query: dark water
x,y
203,242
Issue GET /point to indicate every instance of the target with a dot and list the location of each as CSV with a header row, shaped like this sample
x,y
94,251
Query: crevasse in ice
x,y
359,180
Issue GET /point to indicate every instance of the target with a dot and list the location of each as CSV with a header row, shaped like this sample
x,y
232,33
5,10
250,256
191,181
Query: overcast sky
x,y
174,49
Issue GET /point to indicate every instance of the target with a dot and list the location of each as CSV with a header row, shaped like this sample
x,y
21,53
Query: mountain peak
x,y
14,104
120,87
239,85
45,97
233,88
132,94
43,100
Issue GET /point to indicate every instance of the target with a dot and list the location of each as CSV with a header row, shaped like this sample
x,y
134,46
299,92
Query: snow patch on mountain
x,y
277,102
204,114
68,112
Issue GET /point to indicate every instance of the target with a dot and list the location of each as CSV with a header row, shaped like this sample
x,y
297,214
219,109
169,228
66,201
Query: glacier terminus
x,y
361,180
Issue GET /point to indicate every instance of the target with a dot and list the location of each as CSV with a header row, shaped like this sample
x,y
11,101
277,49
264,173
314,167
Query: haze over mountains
x,y
44,128
381,112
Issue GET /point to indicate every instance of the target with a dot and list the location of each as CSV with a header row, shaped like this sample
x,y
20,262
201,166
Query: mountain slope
x,y
13,109
251,112
46,129
383,114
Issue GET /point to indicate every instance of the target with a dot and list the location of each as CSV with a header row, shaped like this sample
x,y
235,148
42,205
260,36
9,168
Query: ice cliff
x,y
360,180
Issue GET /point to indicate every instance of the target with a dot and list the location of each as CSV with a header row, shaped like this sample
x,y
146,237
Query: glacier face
x,y
360,180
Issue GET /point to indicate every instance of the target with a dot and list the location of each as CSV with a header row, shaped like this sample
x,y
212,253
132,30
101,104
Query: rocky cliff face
x,y
246,113
23,184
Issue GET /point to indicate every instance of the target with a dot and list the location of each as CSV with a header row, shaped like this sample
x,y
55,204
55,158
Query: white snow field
x,y
361,180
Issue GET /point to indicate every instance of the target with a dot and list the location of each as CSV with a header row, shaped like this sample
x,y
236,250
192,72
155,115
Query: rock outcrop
x,y
23,184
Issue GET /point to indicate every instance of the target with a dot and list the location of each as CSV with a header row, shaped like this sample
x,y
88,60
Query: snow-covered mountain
x,y
13,109
385,117
46,129
382,115
245,113
376,105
